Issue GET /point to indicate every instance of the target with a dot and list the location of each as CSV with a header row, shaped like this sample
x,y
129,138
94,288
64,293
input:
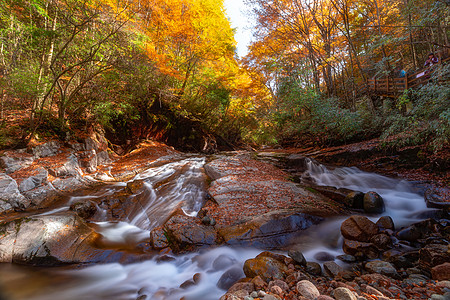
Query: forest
x,y
168,70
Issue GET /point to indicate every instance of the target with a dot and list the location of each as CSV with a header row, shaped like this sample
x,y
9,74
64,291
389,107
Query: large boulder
x,y
187,233
48,240
267,265
359,228
268,231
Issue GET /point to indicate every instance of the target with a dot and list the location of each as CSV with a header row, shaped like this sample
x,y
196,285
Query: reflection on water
x,y
181,184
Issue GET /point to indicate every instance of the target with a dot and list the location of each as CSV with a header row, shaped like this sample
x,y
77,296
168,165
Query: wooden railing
x,y
395,86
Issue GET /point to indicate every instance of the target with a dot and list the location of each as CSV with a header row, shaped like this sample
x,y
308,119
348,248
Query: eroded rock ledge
x,y
252,203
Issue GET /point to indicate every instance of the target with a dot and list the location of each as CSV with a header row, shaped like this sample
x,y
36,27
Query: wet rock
x,y
324,256
381,267
331,192
268,268
297,256
313,268
344,294
48,149
307,289
222,262
438,197
85,209
185,233
134,186
360,250
269,231
386,222
158,239
13,161
39,178
373,203
441,272
358,228
433,255
381,241
332,269
230,277
410,234
48,240
347,258
355,199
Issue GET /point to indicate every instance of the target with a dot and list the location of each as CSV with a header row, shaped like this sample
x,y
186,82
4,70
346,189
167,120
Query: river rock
x,y
381,267
88,160
441,272
358,228
85,209
10,197
230,277
222,262
37,179
381,241
433,255
355,199
279,283
360,249
332,269
269,231
48,240
242,286
373,203
187,233
297,256
344,294
438,197
386,222
307,289
313,268
66,168
265,266
47,149
12,161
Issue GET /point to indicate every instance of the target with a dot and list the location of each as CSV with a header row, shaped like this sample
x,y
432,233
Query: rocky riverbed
x,y
78,203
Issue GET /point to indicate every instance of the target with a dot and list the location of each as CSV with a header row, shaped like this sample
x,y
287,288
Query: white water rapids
x,y
182,184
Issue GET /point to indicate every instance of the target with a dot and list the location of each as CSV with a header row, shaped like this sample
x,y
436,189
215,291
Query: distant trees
x,y
328,48
70,63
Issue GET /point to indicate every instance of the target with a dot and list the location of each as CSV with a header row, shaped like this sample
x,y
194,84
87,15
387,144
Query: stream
x,y
181,184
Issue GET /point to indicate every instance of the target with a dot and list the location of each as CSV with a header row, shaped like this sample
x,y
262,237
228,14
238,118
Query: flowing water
x,y
182,184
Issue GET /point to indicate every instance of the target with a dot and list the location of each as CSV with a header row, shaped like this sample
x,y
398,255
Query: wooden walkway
x,y
392,87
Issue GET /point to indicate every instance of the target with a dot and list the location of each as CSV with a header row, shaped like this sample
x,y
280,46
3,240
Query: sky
x,y
236,11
